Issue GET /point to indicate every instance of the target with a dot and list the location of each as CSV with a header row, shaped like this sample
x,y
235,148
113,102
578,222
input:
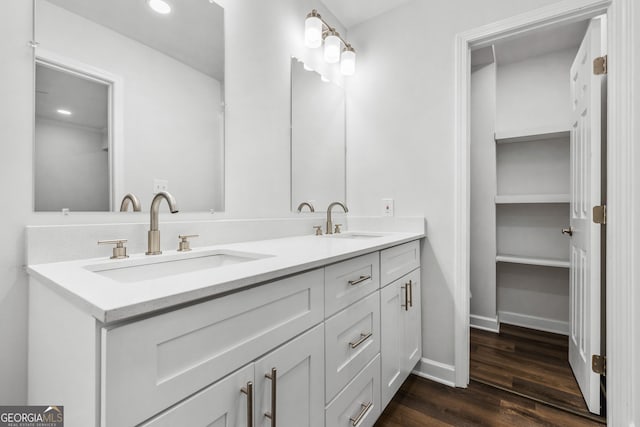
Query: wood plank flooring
x,y
422,403
529,362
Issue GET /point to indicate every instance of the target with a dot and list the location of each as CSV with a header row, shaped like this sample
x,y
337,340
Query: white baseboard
x,y
533,322
490,324
436,371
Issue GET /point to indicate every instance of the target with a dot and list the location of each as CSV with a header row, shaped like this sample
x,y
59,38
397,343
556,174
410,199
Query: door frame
x,y
620,203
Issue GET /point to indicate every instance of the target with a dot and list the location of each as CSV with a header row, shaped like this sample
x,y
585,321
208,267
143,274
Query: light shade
x,y
348,61
313,30
332,48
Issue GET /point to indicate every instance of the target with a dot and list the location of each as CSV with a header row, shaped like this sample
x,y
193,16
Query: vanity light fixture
x,y
316,30
159,6
63,112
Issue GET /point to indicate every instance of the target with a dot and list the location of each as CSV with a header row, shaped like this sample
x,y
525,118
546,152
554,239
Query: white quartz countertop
x,y
109,300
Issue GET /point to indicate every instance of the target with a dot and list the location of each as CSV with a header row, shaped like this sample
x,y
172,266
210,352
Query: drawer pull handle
x,y
248,390
410,294
364,407
363,338
273,377
360,280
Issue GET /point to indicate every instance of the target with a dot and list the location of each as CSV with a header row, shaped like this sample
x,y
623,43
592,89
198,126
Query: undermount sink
x,y
354,235
136,270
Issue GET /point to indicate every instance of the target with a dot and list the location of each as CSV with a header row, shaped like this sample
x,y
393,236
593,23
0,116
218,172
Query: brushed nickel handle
x,y
406,297
363,338
337,229
273,377
248,390
568,231
360,280
184,245
364,407
318,230
119,251
410,294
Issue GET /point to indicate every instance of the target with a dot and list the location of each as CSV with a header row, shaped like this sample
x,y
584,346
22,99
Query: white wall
x,y
535,93
261,37
483,191
400,113
171,111
635,375
70,158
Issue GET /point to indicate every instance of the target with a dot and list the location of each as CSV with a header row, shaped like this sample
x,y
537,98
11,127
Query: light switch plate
x,y
387,207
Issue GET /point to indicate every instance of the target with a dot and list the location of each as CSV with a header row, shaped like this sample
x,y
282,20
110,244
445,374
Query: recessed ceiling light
x,y
159,6
64,112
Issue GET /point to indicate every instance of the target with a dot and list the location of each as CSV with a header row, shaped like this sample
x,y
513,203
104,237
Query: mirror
x,y
128,100
318,149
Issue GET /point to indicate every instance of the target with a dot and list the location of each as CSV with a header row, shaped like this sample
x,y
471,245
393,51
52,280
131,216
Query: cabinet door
x,y
391,321
221,405
299,383
401,332
412,328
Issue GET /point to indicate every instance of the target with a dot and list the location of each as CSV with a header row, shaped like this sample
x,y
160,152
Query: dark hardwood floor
x,y
421,403
529,362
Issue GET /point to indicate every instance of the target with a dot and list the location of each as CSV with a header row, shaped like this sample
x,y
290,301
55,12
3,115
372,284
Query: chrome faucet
x,y
329,222
130,198
308,204
154,234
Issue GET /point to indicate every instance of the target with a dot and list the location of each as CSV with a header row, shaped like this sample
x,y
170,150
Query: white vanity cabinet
x,y
323,348
401,338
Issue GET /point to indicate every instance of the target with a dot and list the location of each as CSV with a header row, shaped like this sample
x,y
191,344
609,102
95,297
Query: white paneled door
x,y
587,104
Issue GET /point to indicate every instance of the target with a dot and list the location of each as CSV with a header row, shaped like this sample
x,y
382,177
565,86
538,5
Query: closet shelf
x,y
532,198
545,262
526,135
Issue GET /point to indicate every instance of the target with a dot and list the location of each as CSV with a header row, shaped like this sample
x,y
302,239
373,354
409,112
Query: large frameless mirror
x,y
128,100
318,149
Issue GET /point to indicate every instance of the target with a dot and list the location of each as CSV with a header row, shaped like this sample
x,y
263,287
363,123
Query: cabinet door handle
x,y
406,297
248,390
410,294
360,280
364,407
363,338
274,387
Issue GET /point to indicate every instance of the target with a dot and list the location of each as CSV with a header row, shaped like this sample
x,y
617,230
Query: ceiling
x,y
352,12
193,33
534,43
86,99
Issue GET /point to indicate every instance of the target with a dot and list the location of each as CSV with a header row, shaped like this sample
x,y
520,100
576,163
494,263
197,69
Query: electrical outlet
x,y
160,185
387,207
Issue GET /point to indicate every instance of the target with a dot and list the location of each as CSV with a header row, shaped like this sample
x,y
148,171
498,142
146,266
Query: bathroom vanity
x,y
298,331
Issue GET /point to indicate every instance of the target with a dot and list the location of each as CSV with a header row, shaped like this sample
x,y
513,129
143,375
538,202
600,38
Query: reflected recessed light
x,y
159,6
64,112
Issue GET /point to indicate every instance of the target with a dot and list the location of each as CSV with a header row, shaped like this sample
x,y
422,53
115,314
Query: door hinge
x,y
599,364
600,214
600,65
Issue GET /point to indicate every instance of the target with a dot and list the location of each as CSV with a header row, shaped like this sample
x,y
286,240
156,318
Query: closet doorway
x,y
537,156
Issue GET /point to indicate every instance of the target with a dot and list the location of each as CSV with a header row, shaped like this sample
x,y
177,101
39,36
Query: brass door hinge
x,y
599,364
600,214
600,65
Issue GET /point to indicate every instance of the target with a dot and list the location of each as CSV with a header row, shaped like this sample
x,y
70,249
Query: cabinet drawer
x,y
222,404
399,260
359,401
348,281
352,339
151,364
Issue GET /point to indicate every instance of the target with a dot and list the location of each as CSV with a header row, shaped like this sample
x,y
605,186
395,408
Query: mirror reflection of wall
x,y
166,117
318,150
71,142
